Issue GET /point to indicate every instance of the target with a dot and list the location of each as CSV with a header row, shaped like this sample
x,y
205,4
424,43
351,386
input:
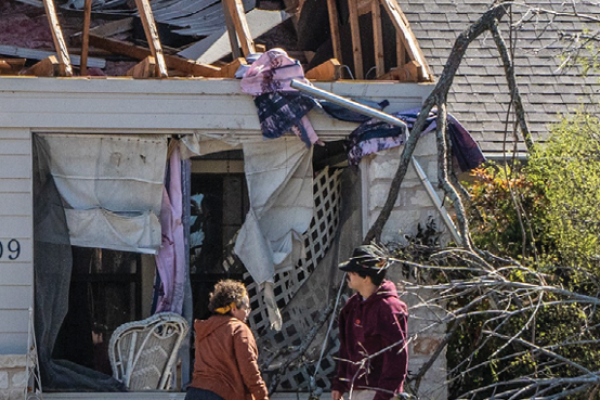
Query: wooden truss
x,y
414,68
410,65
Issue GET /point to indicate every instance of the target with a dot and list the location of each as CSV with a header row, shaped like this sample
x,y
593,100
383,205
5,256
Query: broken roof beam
x,y
145,12
11,66
377,38
356,44
334,26
85,42
139,53
330,70
408,38
144,69
59,41
235,10
47,67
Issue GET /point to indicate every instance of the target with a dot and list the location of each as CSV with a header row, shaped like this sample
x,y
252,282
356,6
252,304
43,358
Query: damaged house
x,y
150,149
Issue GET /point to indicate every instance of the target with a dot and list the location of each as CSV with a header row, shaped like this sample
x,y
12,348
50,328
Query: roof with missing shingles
x,y
479,96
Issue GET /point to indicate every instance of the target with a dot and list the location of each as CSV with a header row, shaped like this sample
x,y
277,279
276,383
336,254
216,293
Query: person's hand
x,y
336,395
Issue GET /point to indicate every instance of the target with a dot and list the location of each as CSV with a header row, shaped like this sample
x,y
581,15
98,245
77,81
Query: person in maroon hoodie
x,y
372,360
226,365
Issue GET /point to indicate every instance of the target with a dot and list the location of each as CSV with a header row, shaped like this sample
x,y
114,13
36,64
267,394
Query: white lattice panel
x,y
298,319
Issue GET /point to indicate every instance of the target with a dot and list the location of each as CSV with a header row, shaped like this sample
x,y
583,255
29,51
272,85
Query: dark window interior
x,y
223,208
105,290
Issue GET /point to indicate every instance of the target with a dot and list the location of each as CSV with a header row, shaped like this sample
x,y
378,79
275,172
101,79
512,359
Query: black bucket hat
x,y
367,258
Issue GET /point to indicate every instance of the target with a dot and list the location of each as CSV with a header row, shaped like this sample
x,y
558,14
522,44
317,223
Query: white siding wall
x,y
16,225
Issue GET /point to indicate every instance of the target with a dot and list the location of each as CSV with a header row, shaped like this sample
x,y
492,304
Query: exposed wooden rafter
x,y
234,11
408,38
59,41
407,49
145,12
85,40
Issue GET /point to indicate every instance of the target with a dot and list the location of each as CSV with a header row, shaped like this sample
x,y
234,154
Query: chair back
x,y
142,353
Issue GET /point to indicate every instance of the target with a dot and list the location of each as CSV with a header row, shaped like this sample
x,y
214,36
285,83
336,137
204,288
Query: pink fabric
x,y
272,72
170,260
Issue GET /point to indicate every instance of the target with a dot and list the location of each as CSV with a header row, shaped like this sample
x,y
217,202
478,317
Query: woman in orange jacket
x,y
226,365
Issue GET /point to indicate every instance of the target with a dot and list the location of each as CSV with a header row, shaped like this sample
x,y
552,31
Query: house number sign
x,y
10,249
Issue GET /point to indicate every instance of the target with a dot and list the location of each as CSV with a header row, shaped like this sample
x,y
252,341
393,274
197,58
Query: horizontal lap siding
x,y
16,239
169,106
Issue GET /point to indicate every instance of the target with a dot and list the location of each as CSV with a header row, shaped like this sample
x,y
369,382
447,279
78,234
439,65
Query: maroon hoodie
x,y
366,327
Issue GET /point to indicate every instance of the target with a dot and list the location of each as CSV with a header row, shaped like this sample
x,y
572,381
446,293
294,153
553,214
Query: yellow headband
x,y
226,309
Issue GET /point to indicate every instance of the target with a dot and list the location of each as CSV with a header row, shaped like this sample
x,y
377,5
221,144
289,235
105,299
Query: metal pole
x,y
371,112
349,104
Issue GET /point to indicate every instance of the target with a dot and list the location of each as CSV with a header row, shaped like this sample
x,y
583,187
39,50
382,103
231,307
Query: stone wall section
x,y
13,377
413,206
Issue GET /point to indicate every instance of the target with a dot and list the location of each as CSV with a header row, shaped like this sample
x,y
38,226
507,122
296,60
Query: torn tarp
x,y
280,187
111,187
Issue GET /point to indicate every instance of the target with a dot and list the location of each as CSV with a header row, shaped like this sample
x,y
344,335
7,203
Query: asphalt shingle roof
x,y
479,96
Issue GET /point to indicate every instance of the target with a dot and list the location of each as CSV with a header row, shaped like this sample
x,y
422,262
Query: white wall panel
x,y
16,204
20,273
14,321
15,297
13,343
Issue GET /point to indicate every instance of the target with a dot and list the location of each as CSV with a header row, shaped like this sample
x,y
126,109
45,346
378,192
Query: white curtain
x,y
111,186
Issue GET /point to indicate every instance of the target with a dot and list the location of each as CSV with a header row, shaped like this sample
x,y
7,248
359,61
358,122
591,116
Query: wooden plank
x,y
334,26
33,54
47,67
400,51
174,62
356,44
15,167
238,15
59,41
411,70
364,6
11,66
330,70
14,321
144,69
151,31
229,70
85,42
233,41
377,38
408,38
16,297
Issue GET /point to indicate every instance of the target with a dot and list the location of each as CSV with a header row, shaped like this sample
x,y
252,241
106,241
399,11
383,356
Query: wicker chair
x,y
142,353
